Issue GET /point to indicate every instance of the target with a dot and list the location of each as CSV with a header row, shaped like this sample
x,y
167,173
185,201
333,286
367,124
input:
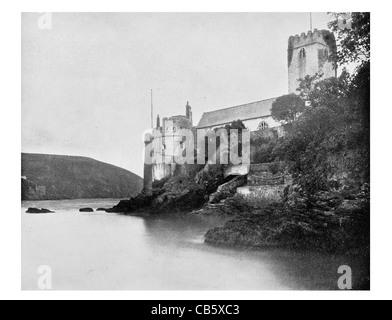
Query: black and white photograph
x,y
195,158
195,151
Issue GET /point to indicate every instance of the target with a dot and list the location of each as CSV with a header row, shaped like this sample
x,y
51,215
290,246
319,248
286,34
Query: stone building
x,y
172,144
308,54
255,116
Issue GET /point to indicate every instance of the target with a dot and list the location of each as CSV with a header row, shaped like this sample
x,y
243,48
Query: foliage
x,y
235,125
266,149
287,108
332,134
355,42
333,124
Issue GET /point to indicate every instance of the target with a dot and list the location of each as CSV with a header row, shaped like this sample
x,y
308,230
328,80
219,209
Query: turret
x,y
158,122
189,112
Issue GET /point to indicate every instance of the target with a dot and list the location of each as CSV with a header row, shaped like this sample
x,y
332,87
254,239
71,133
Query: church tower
x,y
309,54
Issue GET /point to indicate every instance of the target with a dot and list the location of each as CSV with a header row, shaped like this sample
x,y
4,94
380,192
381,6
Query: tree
x,y
331,134
287,108
236,125
353,37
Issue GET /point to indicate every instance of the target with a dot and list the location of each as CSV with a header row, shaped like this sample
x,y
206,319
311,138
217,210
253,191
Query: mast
x,y
152,110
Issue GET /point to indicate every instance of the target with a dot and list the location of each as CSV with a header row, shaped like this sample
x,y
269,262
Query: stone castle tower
x,y
170,129
309,54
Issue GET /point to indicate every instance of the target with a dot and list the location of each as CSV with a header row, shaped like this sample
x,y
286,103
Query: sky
x,y
86,82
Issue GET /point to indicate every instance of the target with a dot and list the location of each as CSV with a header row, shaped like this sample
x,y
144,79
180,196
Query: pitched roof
x,y
243,112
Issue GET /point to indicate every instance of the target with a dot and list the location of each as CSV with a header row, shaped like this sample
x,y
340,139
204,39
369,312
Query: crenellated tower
x,y
309,54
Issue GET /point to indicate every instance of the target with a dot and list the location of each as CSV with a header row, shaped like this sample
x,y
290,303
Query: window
x,y
263,126
302,53
182,143
326,54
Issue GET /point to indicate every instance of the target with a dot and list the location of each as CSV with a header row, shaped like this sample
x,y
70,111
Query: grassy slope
x,y
67,177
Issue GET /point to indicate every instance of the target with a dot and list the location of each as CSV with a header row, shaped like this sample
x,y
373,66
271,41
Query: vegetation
x,y
235,125
332,134
50,177
327,144
266,149
354,42
287,108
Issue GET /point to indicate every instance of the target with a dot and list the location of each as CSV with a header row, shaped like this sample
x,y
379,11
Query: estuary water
x,y
106,251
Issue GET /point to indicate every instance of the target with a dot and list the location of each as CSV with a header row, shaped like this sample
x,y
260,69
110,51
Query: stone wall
x,y
262,194
161,171
308,54
266,183
237,170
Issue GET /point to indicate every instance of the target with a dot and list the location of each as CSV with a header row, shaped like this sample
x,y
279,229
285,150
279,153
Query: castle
x,y
308,54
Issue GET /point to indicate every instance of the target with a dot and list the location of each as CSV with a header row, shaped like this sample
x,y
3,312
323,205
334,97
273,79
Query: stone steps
x,y
266,183
264,174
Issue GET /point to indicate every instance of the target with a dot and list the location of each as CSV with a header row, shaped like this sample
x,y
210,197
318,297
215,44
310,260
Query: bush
x,y
287,108
335,125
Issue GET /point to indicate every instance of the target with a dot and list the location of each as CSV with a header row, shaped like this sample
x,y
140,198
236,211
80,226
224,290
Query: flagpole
x,y
311,22
152,110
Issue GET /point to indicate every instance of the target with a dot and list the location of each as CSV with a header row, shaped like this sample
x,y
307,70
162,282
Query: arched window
x,y
263,126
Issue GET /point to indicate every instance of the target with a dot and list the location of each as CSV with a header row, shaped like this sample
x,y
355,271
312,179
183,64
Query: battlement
x,y
323,37
309,54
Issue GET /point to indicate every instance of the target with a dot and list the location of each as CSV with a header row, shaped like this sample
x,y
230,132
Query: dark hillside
x,y
51,177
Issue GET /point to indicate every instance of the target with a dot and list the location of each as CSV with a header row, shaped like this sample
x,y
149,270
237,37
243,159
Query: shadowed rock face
x,y
49,177
183,192
228,189
38,211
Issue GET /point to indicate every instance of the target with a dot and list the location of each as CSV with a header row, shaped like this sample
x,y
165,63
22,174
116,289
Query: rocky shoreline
x,y
38,211
335,221
345,232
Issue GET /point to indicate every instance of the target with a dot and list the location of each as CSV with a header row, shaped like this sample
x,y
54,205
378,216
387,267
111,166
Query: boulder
x,y
141,202
228,189
86,210
38,211
102,209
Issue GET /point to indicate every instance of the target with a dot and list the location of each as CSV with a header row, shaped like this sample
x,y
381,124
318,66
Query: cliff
x,y
52,177
188,189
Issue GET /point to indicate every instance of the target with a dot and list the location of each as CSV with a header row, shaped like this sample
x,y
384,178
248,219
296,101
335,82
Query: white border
x,y
10,236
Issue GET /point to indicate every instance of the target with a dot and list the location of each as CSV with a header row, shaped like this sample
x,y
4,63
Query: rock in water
x,y
38,211
102,209
86,210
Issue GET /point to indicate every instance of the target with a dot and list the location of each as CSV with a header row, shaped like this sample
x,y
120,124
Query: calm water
x,y
110,251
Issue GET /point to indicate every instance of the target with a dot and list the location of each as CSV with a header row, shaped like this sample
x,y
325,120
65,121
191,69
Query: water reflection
x,y
291,269
109,251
